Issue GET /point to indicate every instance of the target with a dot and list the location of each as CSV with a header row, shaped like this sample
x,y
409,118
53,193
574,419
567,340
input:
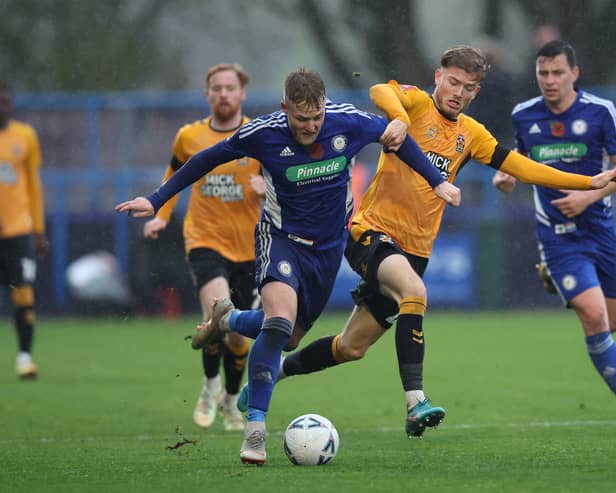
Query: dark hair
x,y
304,87
235,67
469,59
558,47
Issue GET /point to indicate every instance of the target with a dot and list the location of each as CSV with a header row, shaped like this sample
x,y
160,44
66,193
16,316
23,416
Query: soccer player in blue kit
x,y
306,150
574,131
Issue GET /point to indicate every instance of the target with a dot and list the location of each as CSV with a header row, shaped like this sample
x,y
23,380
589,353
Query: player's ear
x,y
283,106
438,74
576,72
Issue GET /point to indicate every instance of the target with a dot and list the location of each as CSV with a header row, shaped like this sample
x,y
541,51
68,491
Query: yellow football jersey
x,y
223,208
399,201
21,197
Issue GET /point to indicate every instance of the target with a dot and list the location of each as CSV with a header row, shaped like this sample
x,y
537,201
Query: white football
x,y
311,440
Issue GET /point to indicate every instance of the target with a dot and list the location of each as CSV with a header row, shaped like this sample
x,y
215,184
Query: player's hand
x,y
602,179
504,182
574,202
153,227
41,245
138,207
394,135
257,182
449,193
546,279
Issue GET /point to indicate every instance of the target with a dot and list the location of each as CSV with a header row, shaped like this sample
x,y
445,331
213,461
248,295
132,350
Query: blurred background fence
x,y
102,148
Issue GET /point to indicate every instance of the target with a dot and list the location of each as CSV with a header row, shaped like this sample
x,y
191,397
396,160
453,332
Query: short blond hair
x,y
305,87
235,67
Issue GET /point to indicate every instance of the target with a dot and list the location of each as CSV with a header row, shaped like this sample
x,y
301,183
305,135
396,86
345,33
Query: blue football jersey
x,y
580,140
308,189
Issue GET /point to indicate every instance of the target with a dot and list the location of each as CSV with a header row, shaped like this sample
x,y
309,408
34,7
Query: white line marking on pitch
x,y
460,426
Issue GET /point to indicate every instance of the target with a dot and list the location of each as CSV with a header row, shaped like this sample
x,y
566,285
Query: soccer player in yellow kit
x,y
394,229
223,210
22,224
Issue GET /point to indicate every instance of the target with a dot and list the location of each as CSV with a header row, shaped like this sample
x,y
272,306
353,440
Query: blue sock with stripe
x,y
602,352
264,361
246,322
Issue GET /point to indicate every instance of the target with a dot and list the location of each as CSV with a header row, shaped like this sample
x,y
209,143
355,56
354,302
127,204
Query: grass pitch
x,y
526,412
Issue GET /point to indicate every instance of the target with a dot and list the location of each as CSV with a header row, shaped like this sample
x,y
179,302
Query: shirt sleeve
x,y
409,151
413,156
609,129
518,142
165,211
34,187
390,99
528,171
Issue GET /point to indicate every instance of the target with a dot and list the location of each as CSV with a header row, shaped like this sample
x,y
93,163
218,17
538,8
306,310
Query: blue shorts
x,y
311,273
577,264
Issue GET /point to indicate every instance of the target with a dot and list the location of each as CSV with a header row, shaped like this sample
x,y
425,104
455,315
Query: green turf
x,y
526,411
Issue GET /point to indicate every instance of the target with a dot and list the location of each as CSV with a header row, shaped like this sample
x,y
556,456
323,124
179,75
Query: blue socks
x,y
255,415
602,352
246,322
264,364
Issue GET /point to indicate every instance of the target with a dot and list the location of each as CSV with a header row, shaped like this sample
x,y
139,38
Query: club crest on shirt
x,y
460,143
243,161
431,132
339,143
579,127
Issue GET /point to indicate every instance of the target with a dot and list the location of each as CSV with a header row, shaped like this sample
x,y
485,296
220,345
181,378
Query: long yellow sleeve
x,y
389,99
35,195
165,211
528,171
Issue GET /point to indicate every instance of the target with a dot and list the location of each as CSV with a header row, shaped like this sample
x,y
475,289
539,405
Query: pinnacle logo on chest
x,y
570,151
440,162
222,187
315,172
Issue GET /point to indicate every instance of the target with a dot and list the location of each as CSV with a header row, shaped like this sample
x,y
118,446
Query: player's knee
x,y
351,351
594,319
22,296
415,289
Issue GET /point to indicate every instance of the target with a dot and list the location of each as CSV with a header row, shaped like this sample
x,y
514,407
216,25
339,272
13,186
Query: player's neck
x,y
226,124
559,107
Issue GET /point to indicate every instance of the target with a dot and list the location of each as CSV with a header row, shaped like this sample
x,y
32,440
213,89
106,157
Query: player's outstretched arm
x,y
528,171
413,156
138,207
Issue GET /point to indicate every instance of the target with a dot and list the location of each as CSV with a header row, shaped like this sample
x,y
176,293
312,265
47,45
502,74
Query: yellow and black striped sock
x,y
410,345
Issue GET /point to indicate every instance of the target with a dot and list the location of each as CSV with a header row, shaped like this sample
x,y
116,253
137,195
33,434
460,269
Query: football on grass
x,y
311,440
